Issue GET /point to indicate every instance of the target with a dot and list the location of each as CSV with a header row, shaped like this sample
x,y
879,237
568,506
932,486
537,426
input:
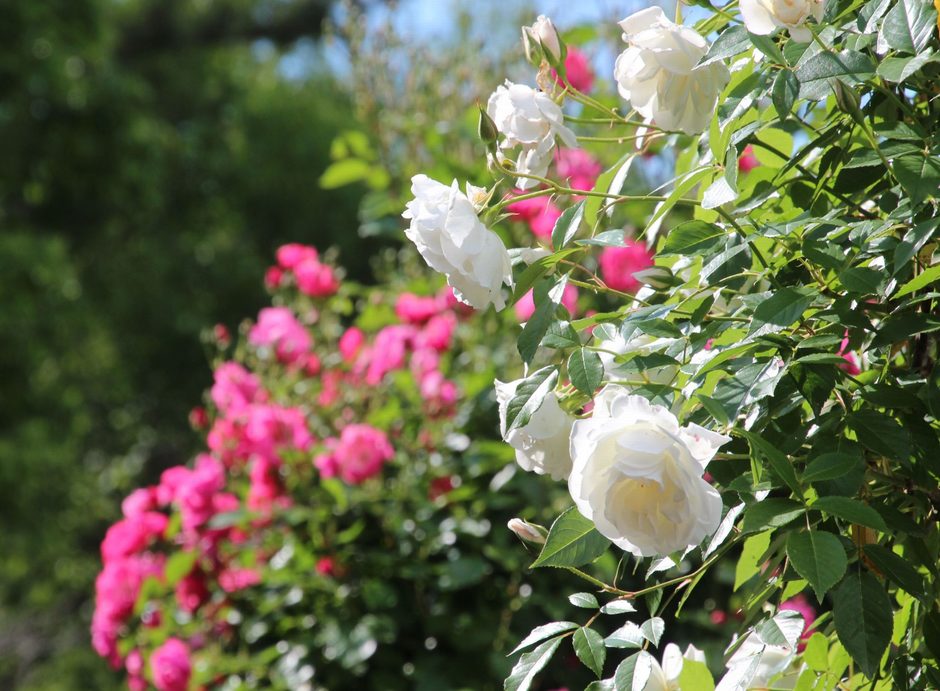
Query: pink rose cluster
x,y
302,263
618,264
578,70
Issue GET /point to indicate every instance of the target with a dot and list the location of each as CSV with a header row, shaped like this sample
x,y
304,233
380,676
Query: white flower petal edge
x,y
754,664
763,17
638,475
658,72
528,118
542,444
665,676
453,241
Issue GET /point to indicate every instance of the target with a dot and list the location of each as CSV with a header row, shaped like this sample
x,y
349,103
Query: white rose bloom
x,y
542,444
763,17
638,475
450,236
528,118
659,76
543,33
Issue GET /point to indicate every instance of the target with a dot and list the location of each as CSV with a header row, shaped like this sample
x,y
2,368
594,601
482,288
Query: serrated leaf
x,y
898,569
920,281
785,91
572,541
567,225
585,600
561,335
589,647
778,461
861,279
618,607
529,396
718,193
829,466
633,673
850,510
627,636
783,629
693,237
909,25
818,557
862,614
653,629
849,66
732,41
770,513
609,238
912,242
586,370
749,563
540,633
529,665
780,310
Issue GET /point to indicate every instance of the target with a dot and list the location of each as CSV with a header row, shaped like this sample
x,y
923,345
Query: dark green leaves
x,y
849,66
897,568
530,664
832,465
693,237
786,89
589,647
850,510
778,461
566,227
818,557
919,175
921,281
770,513
529,395
572,541
585,370
909,25
862,613
780,310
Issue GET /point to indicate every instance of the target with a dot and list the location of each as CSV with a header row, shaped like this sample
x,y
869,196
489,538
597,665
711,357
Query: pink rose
x,y
388,351
131,535
851,359
289,256
357,455
232,580
618,264
195,494
316,279
439,394
415,309
748,161
578,168
279,329
139,502
578,69
437,333
525,308
234,388
170,666
191,591
539,213
273,277
350,343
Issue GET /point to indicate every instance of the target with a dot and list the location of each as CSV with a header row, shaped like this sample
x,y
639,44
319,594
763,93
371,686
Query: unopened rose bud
x,y
527,531
542,40
846,99
487,130
656,277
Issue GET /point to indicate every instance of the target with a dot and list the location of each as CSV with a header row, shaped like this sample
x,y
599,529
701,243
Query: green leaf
x,y
659,328
345,172
572,541
750,561
534,271
732,41
919,175
529,396
609,238
912,242
850,510
898,569
585,600
529,665
909,26
695,676
881,433
589,647
862,279
561,335
566,227
779,462
627,636
653,629
178,566
767,46
586,370
634,672
693,237
618,607
920,281
786,89
862,613
540,633
849,66
829,466
780,310
772,512
818,557
592,205
897,69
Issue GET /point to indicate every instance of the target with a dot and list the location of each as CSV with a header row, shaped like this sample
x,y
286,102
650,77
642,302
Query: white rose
x,y
450,236
543,33
638,475
763,17
528,118
755,663
665,677
541,444
659,76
